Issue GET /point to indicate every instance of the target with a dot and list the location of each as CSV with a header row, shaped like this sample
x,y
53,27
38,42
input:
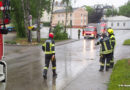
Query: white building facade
x,y
118,22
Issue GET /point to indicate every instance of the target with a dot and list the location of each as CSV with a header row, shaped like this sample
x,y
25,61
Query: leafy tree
x,y
24,8
125,10
18,18
68,9
59,33
90,10
111,12
53,1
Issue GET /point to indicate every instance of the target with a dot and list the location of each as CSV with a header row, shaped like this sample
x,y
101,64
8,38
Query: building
x,y
77,17
47,16
118,22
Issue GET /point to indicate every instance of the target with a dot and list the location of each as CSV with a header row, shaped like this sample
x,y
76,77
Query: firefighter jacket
x,y
49,46
112,40
105,47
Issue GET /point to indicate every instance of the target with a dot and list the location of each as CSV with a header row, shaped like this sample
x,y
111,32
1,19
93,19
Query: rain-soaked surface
x,y
77,66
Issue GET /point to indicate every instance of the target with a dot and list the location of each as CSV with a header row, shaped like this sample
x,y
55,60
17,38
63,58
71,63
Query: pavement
x,y
88,79
11,51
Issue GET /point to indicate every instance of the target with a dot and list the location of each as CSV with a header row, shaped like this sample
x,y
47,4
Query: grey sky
x,y
116,3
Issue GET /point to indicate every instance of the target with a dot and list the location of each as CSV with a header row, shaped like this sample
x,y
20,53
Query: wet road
x,y
77,66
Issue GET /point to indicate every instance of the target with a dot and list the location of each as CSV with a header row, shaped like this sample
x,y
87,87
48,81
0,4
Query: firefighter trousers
x,y
112,60
105,58
47,61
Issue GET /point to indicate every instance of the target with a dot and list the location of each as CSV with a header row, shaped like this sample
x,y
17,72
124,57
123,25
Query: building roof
x,y
64,10
117,18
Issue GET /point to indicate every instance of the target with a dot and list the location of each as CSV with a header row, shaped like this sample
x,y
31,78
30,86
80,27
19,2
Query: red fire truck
x,y
90,32
3,21
93,30
103,27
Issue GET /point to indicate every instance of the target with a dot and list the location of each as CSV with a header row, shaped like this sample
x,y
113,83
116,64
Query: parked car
x,y
10,28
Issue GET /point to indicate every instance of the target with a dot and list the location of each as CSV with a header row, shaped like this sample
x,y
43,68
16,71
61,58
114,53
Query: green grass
x,y
120,75
24,41
126,42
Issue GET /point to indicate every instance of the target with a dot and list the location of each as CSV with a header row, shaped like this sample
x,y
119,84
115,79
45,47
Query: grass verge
x,y
24,41
126,42
120,75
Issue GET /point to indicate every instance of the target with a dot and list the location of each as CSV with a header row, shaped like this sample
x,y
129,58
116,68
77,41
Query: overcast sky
x,y
116,3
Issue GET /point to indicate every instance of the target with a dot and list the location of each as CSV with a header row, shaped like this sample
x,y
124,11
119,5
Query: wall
x,y
122,24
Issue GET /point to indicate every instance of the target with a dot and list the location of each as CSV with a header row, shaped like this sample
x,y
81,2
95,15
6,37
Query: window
x,y
81,15
70,14
62,21
58,15
124,24
111,24
70,22
118,24
81,22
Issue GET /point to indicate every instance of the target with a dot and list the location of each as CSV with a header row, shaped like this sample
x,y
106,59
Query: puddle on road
x,y
2,86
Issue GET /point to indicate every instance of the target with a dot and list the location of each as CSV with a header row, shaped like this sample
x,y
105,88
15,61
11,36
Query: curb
x,y
56,44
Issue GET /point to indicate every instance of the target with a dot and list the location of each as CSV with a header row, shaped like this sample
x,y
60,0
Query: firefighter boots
x,y
54,73
101,68
111,65
45,74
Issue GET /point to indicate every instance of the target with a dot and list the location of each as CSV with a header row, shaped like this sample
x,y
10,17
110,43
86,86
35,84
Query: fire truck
x,y
4,20
90,32
93,30
103,27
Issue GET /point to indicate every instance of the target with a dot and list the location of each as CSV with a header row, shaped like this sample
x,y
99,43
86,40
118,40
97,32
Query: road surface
x,y
77,66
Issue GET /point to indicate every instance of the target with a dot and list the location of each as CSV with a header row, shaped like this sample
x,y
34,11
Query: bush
x,y
59,33
46,24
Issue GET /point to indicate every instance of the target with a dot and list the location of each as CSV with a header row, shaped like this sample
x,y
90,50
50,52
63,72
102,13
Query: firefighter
x,y
79,34
105,52
113,43
49,48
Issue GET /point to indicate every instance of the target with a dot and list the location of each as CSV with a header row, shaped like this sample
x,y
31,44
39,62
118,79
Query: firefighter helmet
x,y
51,35
110,31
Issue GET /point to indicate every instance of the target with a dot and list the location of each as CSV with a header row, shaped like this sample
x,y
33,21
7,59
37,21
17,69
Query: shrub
x,y
46,23
59,33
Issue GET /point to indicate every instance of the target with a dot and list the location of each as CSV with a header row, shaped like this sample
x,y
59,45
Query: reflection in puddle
x,y
84,46
2,86
92,46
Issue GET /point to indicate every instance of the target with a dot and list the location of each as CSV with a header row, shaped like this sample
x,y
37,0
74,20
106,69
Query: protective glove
x,y
53,57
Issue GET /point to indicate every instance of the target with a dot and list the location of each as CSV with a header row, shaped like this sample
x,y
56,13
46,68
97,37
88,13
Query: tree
x,y
68,7
24,8
94,15
18,18
38,6
90,10
53,1
125,10
111,12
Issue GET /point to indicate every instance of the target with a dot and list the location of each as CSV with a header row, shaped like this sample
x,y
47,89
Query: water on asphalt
x,y
77,66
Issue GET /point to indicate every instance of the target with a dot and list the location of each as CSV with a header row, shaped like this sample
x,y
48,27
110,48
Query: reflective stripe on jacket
x,y
106,47
113,41
49,46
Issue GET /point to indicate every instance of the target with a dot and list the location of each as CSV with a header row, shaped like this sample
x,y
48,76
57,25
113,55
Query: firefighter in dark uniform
x,y
79,34
105,51
113,43
49,48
